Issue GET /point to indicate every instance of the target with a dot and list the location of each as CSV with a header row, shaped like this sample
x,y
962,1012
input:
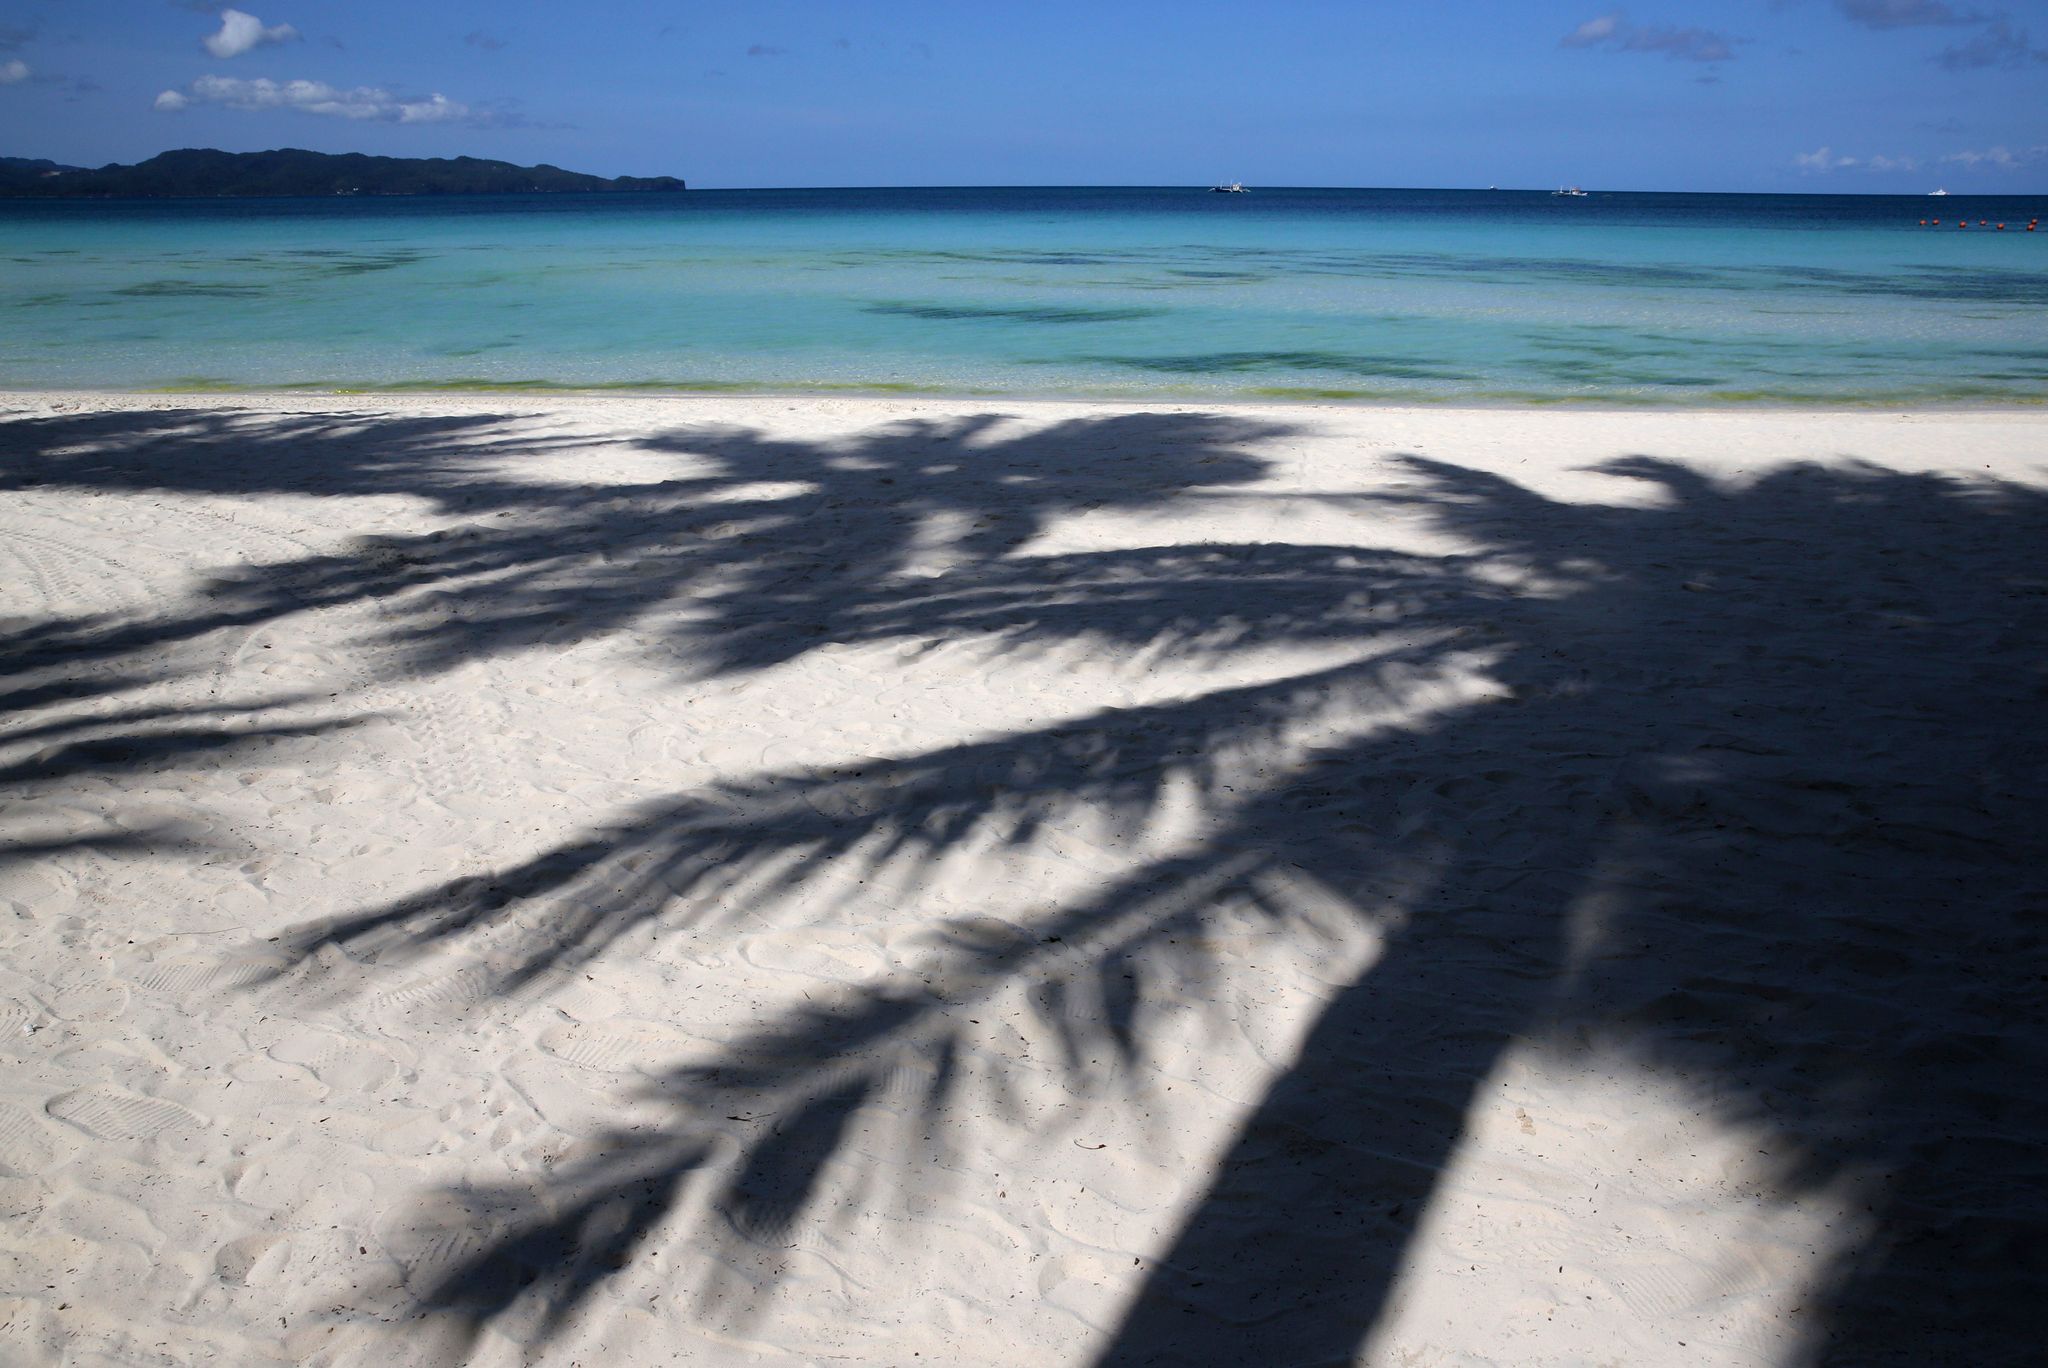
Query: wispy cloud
x,y
1823,160
1615,33
763,50
13,70
1889,14
1593,31
14,37
1998,44
1999,158
240,33
361,103
477,38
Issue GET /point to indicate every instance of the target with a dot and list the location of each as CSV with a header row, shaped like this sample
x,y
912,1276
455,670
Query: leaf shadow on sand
x,y
1736,784
747,559
81,689
1775,837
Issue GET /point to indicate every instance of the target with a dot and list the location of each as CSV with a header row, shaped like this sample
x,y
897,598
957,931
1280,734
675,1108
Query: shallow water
x,y
1460,296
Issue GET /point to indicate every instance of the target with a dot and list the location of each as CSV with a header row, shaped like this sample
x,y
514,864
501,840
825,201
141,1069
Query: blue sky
x,y
1822,95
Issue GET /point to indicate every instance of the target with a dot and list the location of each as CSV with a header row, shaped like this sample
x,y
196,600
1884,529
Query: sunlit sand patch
x,y
1598,1213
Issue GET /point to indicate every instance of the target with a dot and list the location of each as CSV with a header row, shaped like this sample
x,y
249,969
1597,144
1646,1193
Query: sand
x,y
775,881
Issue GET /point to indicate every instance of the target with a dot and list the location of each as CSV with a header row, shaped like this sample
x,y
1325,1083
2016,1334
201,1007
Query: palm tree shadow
x,y
1771,823
1777,839
752,552
1746,795
80,691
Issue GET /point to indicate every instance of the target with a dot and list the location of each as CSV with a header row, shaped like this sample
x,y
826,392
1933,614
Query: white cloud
x,y
240,33
12,71
1680,44
1593,31
1823,160
1999,158
317,97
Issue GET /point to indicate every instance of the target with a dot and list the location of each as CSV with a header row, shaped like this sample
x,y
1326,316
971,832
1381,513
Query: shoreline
x,y
1818,409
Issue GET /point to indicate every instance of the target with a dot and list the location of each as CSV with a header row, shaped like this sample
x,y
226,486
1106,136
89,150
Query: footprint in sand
x,y
443,996
180,978
836,956
15,1020
337,1060
615,1046
26,1149
435,1242
108,1114
84,999
252,1260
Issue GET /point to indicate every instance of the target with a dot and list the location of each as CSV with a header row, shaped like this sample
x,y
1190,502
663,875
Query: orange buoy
x,y
2001,227
1923,223
1980,223
1937,223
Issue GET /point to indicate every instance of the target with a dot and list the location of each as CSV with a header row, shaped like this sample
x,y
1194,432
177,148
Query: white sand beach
x,y
560,880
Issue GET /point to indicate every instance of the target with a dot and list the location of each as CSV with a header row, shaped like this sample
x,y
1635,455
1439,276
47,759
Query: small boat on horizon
x,y
1932,193
1234,188
1568,191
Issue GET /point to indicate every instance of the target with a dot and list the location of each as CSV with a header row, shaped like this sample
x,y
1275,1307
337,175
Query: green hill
x,y
205,173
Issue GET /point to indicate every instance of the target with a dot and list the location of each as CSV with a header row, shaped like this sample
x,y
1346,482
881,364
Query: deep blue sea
x,y
1370,295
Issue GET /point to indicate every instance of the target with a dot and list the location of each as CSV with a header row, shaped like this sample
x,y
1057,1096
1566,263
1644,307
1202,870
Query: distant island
x,y
204,173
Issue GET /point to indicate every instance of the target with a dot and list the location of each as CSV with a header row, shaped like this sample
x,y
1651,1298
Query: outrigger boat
x,y
1234,188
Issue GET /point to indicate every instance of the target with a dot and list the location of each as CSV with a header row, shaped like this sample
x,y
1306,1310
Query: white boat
x,y
1569,192
1234,188
1932,193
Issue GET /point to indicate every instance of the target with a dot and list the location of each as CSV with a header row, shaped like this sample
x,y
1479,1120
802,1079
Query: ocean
x,y
1452,296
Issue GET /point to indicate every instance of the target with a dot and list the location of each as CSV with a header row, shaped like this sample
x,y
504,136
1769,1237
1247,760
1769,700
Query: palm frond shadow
x,y
755,551
705,858
1731,785
1734,784
80,691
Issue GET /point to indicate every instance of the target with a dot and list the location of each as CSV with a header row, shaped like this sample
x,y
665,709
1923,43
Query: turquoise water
x,y
1367,295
